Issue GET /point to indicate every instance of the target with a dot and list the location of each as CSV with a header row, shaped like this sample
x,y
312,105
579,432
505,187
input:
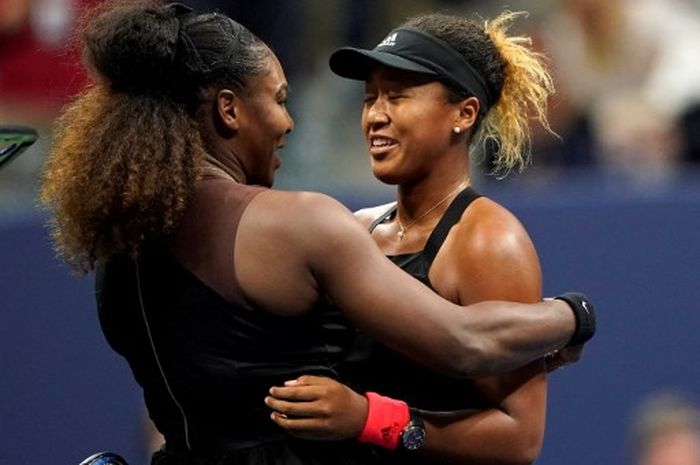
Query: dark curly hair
x,y
512,71
127,151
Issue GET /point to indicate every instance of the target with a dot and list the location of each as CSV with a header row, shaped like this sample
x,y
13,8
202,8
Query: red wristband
x,y
386,420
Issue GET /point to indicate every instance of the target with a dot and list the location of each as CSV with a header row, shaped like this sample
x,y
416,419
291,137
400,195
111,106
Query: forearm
x,y
509,432
486,437
509,335
482,339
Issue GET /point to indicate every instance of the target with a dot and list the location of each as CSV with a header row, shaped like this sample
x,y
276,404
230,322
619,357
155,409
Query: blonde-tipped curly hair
x,y
512,71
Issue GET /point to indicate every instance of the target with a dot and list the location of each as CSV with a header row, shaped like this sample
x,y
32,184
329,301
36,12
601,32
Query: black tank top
x,y
380,369
205,363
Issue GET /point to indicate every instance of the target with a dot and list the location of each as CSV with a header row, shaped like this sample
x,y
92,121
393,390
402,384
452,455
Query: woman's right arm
x,y
292,248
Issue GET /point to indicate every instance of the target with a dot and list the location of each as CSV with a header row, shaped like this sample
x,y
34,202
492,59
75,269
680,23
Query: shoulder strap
x,y
382,218
449,219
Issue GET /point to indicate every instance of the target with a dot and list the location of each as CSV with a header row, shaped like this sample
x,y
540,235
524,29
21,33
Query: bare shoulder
x,y
301,217
297,199
488,255
280,206
489,229
281,236
366,215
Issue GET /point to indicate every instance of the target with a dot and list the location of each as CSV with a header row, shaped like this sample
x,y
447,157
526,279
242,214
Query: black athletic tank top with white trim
x,y
382,370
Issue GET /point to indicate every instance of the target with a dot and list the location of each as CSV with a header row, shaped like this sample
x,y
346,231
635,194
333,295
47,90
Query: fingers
x,y
295,393
299,397
304,388
313,407
297,409
301,427
563,357
307,379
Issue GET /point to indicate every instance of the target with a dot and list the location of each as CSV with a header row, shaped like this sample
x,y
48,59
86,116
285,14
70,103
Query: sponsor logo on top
x,y
389,41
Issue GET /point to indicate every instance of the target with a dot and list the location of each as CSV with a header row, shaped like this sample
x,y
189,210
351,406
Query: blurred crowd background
x,y
627,115
627,75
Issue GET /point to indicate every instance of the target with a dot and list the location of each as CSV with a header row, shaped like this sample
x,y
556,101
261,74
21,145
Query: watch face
x,y
413,437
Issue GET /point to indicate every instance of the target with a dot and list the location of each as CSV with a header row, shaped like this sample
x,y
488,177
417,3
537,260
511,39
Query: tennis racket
x,y
104,458
14,140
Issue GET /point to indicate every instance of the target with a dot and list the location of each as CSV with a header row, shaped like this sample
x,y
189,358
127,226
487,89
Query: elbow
x,y
522,459
527,448
528,454
516,453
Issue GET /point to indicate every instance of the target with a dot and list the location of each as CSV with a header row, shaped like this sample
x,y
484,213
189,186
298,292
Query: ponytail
x,y
127,152
120,172
526,87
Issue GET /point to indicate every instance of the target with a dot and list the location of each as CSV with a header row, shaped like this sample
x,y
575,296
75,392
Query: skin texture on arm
x,y
488,255
292,247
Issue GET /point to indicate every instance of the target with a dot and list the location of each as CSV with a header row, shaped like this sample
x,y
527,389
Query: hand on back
x,y
314,407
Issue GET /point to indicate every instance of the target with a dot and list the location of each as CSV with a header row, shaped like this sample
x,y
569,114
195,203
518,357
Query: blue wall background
x,y
65,395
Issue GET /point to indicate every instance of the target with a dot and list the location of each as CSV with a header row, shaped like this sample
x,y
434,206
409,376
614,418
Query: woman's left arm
x,y
490,255
320,408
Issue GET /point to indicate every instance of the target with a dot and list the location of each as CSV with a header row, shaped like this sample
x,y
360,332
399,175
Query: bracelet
x,y
584,312
386,420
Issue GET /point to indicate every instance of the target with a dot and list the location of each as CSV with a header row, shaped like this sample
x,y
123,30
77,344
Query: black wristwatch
x,y
413,435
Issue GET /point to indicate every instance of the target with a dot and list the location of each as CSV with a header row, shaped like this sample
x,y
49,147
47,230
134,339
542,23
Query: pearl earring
x,y
457,129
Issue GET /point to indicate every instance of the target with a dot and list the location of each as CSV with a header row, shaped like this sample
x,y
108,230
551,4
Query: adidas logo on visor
x,y
389,41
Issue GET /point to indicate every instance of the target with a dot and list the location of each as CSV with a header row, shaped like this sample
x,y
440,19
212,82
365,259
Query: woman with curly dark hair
x,y
214,286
